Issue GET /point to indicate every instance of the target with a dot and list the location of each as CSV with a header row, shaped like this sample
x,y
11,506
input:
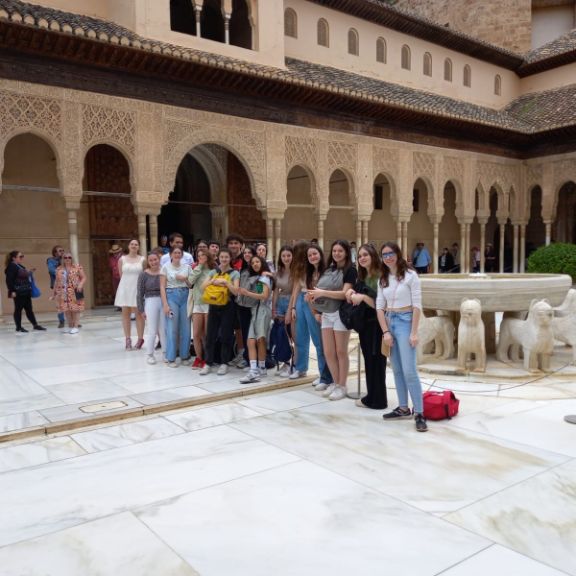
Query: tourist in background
x,y
281,296
330,290
445,261
475,259
52,263
455,251
204,265
214,249
129,267
176,240
364,294
114,255
421,259
221,319
262,251
353,252
399,307
200,245
489,258
261,315
68,291
174,287
149,304
164,244
20,289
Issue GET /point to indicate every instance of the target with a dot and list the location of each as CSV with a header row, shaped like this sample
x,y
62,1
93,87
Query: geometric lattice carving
x,y
99,123
301,151
19,111
492,173
342,155
564,171
174,133
424,165
454,169
533,175
386,160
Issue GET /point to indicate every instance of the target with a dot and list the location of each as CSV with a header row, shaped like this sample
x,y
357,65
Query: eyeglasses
x,y
20,256
386,255
67,258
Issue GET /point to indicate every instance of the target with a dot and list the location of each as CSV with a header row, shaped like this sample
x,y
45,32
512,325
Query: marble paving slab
x,y
22,420
118,544
170,395
63,494
536,518
499,560
110,437
36,453
74,412
282,401
302,519
87,391
200,418
440,471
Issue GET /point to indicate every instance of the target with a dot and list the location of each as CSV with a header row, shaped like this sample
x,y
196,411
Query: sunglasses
x,y
67,258
386,255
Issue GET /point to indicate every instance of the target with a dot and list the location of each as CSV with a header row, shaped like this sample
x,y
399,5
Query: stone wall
x,y
507,24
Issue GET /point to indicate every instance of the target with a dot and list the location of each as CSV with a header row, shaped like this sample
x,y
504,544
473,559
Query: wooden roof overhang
x,y
52,58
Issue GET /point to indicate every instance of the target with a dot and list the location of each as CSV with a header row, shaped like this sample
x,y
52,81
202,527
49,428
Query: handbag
x,y
36,293
356,317
332,279
248,282
79,294
440,405
217,295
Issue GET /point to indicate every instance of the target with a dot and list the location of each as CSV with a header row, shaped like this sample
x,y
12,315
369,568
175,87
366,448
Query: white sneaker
x,y
178,360
206,370
239,361
295,375
73,330
338,394
321,386
173,365
250,377
66,331
263,372
223,369
186,362
316,382
329,390
151,359
285,372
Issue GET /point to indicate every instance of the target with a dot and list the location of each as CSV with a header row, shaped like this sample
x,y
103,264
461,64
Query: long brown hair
x,y
10,258
299,261
376,265
209,258
401,264
310,268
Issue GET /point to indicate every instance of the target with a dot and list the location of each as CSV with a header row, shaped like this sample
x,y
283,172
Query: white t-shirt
x,y
187,259
399,294
171,272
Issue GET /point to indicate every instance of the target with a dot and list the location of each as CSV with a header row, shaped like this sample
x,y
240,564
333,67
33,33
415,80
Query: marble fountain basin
x,y
497,292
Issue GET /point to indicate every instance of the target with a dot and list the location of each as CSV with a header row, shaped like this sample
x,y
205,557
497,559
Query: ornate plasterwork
x,y
101,124
453,169
564,171
301,151
424,166
533,175
341,155
495,174
386,161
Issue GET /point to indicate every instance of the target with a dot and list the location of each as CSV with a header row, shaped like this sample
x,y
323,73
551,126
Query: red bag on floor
x,y
440,405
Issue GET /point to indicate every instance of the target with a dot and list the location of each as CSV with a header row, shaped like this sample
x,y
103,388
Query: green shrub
x,y
554,259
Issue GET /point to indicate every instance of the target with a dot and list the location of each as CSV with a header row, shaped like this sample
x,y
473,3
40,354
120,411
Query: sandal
x,y
128,344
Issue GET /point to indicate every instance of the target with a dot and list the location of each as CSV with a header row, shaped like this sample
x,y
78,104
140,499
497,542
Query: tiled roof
x,y
559,46
528,115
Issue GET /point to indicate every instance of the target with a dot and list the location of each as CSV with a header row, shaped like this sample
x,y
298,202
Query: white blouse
x,y
400,293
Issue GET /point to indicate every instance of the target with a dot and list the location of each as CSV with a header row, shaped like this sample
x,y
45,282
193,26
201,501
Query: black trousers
x,y
375,365
220,330
23,303
244,317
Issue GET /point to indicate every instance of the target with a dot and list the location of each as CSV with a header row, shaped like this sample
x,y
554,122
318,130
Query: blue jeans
x,y
282,305
306,328
177,326
404,360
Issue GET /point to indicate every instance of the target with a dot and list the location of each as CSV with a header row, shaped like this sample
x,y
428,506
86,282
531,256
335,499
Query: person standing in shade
x,y
455,251
399,307
176,240
490,258
445,261
421,258
114,255
364,294
130,265
69,291
150,304
20,289
52,263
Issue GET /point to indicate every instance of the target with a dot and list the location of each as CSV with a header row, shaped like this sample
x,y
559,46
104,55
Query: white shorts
x,y
332,321
200,308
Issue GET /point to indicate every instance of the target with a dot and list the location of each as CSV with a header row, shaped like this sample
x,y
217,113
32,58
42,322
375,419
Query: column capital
x,y
72,202
146,208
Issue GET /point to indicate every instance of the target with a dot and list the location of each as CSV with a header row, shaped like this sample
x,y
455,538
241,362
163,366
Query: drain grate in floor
x,y
92,408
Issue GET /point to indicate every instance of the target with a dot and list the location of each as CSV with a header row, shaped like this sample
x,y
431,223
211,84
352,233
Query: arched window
x,y
353,42
240,27
406,58
448,70
290,23
498,85
323,33
467,76
427,64
381,50
182,17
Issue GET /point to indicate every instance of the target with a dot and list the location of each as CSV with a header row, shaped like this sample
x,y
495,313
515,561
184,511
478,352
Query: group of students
x,y
234,293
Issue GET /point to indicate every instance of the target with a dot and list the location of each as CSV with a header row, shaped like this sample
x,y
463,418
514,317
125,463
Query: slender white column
x,y
358,233
227,29
270,236
73,233
142,233
153,219
548,233
321,233
278,237
399,235
501,255
405,238
522,248
435,250
198,14
482,247
463,249
515,248
468,254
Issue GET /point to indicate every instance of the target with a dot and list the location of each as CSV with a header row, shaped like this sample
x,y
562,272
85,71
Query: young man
x,y
421,259
176,240
214,249
235,243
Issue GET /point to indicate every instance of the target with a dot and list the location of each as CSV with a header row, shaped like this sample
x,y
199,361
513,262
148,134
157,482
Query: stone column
x,y
154,240
278,237
405,238
501,255
227,28
522,248
142,233
73,206
399,234
468,255
358,233
321,219
435,254
515,248
463,248
548,232
270,235
198,15
482,246
365,238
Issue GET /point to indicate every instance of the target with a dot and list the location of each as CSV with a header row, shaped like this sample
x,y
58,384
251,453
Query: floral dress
x,y
66,287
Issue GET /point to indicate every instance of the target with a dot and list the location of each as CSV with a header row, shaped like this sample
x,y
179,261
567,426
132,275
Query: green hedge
x,y
554,259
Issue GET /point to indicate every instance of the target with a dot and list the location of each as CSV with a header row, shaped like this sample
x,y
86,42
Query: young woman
x,y
244,313
129,267
399,306
204,264
69,291
281,296
262,251
364,294
149,303
339,276
200,245
261,316
174,287
52,263
307,267
221,318
20,289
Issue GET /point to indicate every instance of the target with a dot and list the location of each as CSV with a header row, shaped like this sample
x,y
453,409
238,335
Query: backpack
x,y
280,347
357,317
440,405
250,283
217,295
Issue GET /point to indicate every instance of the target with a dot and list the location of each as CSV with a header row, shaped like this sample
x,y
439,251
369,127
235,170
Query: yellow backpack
x,y
217,295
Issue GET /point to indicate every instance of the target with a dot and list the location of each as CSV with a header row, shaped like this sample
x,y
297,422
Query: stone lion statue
x,y
471,335
564,330
534,335
567,307
438,330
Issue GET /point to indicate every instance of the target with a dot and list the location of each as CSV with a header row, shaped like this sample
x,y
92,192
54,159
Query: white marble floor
x,y
283,483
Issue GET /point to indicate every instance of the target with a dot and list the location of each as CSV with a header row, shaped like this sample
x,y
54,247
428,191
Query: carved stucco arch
x,y
232,143
503,199
460,208
313,183
394,205
214,172
433,210
352,196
